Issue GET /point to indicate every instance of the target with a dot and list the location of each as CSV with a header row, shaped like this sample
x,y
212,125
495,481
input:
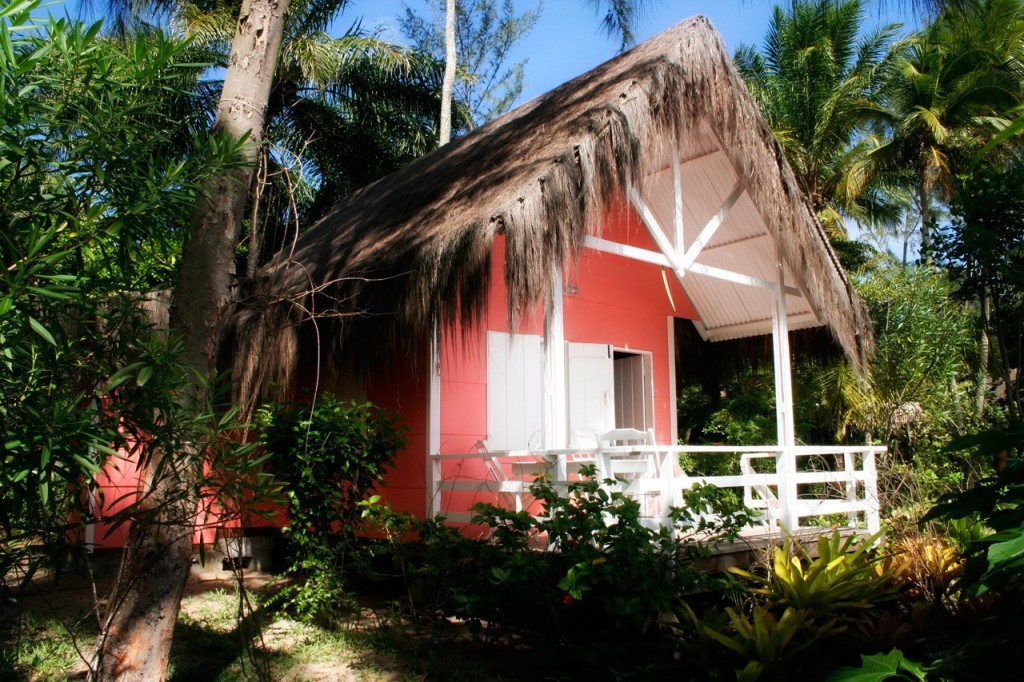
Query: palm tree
x,y
342,112
814,80
620,17
952,89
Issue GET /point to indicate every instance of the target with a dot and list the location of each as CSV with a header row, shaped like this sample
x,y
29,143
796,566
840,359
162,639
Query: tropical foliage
x,y
100,157
485,34
326,459
815,81
343,111
953,88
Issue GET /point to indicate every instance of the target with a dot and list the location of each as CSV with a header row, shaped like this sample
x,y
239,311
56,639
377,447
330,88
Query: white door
x,y
591,391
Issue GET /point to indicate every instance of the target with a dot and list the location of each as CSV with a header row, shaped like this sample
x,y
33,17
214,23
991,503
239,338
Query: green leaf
x,y
880,667
42,331
16,8
49,293
119,377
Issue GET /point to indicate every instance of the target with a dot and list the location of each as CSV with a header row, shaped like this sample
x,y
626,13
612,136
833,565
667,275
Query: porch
x,y
795,489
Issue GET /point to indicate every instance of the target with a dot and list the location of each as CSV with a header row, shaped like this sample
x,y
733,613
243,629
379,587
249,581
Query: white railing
x,y
789,486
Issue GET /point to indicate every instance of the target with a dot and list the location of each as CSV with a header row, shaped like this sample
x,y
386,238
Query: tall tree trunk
x,y
984,346
448,84
146,598
926,214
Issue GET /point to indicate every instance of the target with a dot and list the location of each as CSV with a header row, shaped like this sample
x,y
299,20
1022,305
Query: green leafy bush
x,y
880,667
605,565
843,580
99,167
994,560
732,644
328,457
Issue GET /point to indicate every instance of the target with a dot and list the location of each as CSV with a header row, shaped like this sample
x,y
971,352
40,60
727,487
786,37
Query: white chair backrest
x,y
617,437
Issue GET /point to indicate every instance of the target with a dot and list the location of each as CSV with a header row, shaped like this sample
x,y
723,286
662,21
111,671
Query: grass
x,y
374,643
40,642
44,640
43,646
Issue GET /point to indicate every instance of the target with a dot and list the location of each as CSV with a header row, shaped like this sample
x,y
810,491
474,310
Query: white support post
x,y
90,527
91,503
785,462
783,369
434,425
849,470
871,515
674,411
556,429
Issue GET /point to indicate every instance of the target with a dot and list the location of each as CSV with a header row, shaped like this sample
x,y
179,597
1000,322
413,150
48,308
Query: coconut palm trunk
x,y
448,84
144,605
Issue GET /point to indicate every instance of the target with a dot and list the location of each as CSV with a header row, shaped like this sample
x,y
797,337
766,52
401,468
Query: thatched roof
x,y
412,250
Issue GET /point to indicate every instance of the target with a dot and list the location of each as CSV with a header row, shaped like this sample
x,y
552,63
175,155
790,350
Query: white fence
x,y
789,486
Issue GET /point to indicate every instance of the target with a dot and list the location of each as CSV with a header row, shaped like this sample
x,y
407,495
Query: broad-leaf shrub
x,y
842,579
328,457
996,559
890,666
604,565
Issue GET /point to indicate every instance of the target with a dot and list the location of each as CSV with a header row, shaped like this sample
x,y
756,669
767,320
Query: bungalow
x,y
513,293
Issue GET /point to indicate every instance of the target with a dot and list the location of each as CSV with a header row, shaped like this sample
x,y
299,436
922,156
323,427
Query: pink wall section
x,y
117,488
402,388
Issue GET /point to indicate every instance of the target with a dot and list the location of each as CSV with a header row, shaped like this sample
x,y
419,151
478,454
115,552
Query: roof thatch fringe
x,y
411,251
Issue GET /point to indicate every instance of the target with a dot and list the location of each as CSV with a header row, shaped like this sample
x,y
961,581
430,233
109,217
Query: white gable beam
x,y
730,276
636,253
626,251
709,230
657,234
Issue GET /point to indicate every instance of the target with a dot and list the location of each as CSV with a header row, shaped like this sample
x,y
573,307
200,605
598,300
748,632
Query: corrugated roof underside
x,y
742,244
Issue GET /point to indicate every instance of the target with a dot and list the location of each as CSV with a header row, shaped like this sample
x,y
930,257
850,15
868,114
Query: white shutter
x,y
591,391
515,400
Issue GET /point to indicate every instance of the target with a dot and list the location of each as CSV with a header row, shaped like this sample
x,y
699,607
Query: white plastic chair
x,y
569,465
511,490
630,470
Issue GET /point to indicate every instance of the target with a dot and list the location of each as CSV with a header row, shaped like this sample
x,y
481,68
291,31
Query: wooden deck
x,y
753,547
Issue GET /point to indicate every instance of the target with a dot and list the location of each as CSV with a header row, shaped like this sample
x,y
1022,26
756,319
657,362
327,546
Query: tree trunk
x,y
444,135
146,598
926,215
984,346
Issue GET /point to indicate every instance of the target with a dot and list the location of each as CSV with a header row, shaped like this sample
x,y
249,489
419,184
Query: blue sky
x,y
568,40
